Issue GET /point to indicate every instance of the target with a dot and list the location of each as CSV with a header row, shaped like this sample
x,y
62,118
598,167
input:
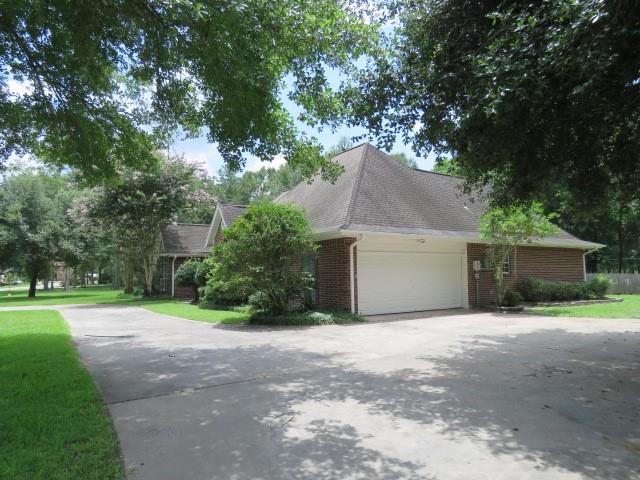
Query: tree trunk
x,y
115,273
148,271
45,284
196,298
66,278
32,286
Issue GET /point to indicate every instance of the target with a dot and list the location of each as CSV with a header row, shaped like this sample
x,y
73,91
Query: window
x,y
506,266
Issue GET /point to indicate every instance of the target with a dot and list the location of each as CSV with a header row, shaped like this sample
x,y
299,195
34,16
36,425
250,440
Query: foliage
x,y
405,159
447,166
500,86
224,291
305,318
600,285
135,208
261,252
539,290
511,298
254,186
53,421
33,223
81,82
191,274
504,228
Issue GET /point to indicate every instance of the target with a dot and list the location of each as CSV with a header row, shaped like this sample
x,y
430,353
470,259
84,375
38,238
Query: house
x,y
182,241
178,243
396,239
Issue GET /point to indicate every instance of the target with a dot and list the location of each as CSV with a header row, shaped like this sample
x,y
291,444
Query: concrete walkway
x,y
479,396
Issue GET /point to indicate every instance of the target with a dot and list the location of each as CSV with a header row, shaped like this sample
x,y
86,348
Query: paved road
x,y
462,396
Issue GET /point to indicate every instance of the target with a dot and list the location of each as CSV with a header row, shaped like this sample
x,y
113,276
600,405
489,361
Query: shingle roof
x,y
184,239
231,212
376,193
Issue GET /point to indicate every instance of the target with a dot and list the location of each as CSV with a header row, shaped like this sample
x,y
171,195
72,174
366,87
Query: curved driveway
x,y
459,396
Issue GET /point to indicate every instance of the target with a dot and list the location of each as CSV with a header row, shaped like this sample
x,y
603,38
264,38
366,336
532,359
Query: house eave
x,y
460,237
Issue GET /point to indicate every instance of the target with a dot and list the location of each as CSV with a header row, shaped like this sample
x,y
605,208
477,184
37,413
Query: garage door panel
x,y
396,282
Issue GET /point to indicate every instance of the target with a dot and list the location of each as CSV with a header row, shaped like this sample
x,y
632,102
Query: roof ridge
x,y
356,186
363,144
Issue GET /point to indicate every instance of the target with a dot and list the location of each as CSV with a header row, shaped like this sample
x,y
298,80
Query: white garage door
x,y
392,282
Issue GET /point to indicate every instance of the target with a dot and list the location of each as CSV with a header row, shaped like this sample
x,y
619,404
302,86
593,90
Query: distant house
x,y
396,239
182,241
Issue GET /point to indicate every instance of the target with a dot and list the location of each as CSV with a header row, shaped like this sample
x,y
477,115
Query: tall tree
x,y
135,209
81,81
32,223
527,97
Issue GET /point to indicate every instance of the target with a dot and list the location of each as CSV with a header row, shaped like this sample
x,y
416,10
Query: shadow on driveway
x,y
543,404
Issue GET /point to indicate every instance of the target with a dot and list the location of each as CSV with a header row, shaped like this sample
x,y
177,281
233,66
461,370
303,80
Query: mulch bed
x,y
571,303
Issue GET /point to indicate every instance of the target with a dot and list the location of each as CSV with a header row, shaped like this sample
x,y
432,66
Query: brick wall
x,y
563,264
333,280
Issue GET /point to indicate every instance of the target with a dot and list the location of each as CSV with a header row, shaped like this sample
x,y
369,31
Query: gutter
x,y
352,272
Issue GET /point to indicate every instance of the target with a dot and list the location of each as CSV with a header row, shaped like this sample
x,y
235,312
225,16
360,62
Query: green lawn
x,y
629,308
59,297
53,424
105,295
193,312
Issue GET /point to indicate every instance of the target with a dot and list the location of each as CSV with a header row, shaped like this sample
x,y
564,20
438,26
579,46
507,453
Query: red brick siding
x,y
563,264
333,280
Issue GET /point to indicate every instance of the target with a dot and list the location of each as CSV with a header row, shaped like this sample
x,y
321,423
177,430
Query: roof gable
x,y
184,239
376,193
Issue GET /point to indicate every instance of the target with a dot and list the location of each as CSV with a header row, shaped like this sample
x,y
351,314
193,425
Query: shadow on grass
x,y
549,403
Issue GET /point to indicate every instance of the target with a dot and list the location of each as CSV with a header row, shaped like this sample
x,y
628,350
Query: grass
x,y
628,308
105,295
306,318
194,312
79,295
173,307
53,424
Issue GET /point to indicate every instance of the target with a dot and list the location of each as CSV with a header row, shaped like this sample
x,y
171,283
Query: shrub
x,y
190,274
260,254
225,293
600,285
511,298
539,290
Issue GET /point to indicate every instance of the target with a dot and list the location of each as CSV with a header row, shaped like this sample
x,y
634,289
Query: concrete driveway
x,y
463,396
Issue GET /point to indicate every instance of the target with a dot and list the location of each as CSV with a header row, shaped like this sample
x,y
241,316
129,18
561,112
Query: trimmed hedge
x,y
539,290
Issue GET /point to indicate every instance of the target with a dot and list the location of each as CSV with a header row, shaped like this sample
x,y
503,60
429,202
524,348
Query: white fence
x,y
622,282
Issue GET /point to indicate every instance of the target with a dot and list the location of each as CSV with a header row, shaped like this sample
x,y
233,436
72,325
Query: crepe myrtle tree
x,y
135,209
261,253
504,228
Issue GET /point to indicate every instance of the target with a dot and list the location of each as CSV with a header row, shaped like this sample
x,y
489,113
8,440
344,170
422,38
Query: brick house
x,y
396,239
182,241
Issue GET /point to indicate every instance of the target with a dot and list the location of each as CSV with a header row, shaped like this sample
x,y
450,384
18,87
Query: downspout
x,y
584,261
352,272
173,280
